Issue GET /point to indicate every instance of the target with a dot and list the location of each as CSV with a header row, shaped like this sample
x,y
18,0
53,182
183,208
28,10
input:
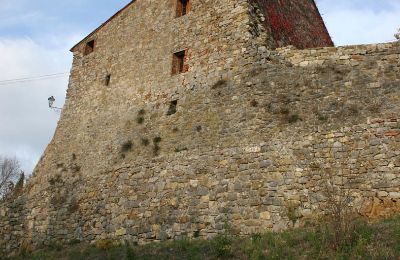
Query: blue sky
x,y
36,35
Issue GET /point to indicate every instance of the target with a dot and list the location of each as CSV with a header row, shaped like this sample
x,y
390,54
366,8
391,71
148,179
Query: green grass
x,y
379,240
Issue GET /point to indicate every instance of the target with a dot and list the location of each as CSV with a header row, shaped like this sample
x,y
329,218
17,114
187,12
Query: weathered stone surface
x,y
255,130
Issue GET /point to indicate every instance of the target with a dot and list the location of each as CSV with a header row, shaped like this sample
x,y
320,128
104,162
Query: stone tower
x,y
182,115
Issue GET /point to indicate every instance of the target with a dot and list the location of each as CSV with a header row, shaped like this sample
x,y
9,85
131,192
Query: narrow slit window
x,y
178,62
90,47
108,80
182,7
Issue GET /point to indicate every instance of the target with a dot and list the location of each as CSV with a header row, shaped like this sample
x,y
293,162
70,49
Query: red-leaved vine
x,y
295,22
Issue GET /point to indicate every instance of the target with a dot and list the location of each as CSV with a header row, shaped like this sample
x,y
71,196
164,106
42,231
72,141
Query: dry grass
x,y
365,241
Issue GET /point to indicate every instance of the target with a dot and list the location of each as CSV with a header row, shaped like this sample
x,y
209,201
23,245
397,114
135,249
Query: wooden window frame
x,y
183,7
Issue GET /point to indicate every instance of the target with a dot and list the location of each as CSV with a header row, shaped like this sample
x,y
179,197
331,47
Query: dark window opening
x,y
172,107
178,62
108,79
90,47
182,7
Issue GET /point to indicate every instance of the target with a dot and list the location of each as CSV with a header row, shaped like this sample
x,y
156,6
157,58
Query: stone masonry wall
x,y
253,131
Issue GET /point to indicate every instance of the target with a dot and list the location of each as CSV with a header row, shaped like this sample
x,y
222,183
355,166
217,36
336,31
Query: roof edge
x,y
102,25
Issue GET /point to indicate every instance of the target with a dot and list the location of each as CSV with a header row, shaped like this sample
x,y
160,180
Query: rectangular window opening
x,y
108,79
90,47
178,62
182,7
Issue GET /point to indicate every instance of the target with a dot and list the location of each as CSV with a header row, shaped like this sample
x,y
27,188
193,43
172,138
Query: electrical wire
x,y
36,78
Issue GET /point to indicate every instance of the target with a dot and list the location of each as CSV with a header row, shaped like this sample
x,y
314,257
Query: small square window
x,y
108,80
178,63
182,7
90,47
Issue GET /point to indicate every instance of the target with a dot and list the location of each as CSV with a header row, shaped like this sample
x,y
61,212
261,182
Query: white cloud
x,y
26,122
361,22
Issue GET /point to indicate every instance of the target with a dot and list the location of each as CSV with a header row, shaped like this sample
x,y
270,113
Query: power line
x,y
36,78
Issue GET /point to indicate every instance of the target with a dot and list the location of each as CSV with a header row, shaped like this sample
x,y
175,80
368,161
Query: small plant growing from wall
x,y
73,206
56,180
220,83
126,147
294,118
180,149
140,116
284,111
322,117
145,141
254,103
172,108
292,212
156,145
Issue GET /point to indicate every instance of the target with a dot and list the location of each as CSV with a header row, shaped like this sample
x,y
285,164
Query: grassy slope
x,y
380,240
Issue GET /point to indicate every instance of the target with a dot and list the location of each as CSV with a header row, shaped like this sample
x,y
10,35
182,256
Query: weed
x,y
353,110
254,103
74,242
145,141
322,117
292,212
140,116
284,111
254,247
141,112
130,252
220,83
294,118
222,246
180,149
58,199
75,168
54,245
73,206
140,120
378,240
25,249
104,244
60,165
340,217
375,105
52,181
127,146
156,147
172,108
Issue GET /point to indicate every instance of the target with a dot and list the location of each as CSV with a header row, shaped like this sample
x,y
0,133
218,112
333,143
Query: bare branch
x,y
9,172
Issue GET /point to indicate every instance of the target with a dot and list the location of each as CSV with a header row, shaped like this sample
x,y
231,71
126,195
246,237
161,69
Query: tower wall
x,y
294,22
